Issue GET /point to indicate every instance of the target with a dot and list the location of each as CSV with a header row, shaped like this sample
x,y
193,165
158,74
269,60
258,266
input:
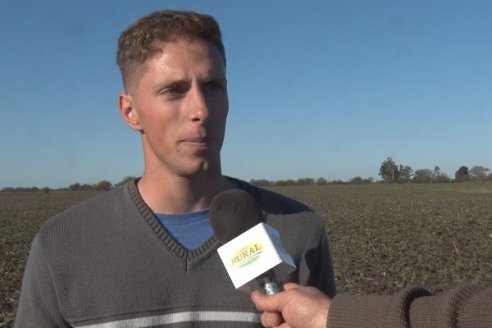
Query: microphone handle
x,y
269,283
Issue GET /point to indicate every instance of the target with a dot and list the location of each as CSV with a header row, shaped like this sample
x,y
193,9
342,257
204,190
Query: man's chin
x,y
203,168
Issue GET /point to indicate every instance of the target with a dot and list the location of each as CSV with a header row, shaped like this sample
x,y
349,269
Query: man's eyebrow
x,y
182,81
214,78
169,83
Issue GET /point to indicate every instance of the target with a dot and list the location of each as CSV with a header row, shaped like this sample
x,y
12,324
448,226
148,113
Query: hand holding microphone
x,y
252,251
298,306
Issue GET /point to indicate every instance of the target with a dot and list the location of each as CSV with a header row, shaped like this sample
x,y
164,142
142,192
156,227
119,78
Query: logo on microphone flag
x,y
247,255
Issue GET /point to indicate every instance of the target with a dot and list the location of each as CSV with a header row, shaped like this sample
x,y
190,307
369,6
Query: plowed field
x,y
383,237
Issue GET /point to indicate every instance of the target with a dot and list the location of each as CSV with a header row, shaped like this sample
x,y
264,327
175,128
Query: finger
x,y
284,325
271,319
290,285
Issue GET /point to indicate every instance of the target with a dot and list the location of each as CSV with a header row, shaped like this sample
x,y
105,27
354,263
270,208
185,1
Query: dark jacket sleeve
x,y
38,305
322,274
465,306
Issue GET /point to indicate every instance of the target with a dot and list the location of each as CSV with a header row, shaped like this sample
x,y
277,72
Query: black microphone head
x,y
233,212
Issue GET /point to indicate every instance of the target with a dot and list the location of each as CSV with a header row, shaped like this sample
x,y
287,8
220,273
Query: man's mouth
x,y
199,142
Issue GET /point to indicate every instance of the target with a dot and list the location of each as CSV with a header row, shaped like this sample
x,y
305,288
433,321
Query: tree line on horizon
x,y
389,171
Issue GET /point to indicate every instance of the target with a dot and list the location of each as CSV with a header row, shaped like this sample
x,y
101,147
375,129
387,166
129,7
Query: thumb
x,y
267,303
273,303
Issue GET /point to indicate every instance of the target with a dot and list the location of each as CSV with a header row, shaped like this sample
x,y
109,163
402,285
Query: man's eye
x,y
216,86
172,92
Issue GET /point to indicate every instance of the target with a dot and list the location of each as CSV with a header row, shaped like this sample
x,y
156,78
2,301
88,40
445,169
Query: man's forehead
x,y
186,56
196,48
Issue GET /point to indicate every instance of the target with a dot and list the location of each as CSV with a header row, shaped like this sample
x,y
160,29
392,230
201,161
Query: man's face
x,y
180,106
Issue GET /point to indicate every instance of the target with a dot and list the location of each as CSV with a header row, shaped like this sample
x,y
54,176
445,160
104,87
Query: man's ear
x,y
128,112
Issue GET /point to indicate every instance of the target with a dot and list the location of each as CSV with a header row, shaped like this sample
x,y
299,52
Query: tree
x,y
356,180
443,178
74,186
436,174
389,170
86,186
103,185
305,182
479,173
462,175
405,173
321,181
288,182
360,180
260,182
422,176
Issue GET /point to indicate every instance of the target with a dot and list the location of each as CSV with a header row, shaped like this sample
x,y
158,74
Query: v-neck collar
x,y
191,257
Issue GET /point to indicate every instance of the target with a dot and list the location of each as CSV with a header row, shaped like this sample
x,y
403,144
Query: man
x,y
143,255
306,307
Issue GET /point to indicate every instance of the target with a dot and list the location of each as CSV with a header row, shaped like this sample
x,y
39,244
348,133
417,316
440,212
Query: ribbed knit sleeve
x,y
373,310
465,306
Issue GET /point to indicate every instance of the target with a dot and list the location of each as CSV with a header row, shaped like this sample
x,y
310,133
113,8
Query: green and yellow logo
x,y
246,255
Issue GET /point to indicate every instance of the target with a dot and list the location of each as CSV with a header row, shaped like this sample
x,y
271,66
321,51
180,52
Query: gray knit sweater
x,y
464,307
107,262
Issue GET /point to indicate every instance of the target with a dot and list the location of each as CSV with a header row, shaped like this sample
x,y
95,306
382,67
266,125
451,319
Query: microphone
x,y
251,250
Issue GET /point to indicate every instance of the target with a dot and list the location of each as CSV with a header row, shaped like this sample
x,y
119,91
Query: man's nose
x,y
197,105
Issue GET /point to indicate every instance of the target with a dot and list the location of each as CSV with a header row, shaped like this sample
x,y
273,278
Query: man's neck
x,y
174,195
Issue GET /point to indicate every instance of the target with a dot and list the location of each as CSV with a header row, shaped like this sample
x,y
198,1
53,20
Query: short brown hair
x,y
141,40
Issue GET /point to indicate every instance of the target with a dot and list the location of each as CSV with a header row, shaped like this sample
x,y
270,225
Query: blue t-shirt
x,y
189,229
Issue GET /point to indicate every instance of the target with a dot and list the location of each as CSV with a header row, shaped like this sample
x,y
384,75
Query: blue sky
x,y
317,88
